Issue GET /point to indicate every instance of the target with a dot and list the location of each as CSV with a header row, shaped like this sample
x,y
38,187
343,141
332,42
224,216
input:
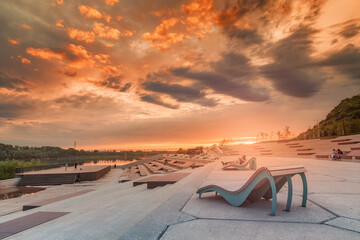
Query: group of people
x,y
75,166
337,154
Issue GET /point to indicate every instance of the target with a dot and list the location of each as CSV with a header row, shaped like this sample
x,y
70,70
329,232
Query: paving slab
x,y
222,229
346,223
346,205
215,207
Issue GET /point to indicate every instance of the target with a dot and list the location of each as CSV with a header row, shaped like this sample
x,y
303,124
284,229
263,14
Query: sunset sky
x,y
169,73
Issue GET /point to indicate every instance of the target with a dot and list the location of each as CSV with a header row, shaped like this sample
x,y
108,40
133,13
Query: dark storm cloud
x,y
234,65
12,107
84,101
222,84
242,20
292,72
70,72
291,80
350,31
231,76
156,99
346,60
229,18
115,83
247,36
13,83
181,93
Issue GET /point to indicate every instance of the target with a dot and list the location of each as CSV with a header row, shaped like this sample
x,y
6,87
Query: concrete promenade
x,y
119,211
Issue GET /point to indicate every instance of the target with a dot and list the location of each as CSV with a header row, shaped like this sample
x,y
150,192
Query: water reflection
x,y
108,162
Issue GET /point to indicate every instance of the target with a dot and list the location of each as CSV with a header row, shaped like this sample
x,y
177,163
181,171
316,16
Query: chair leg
x,y
274,200
290,193
305,190
253,164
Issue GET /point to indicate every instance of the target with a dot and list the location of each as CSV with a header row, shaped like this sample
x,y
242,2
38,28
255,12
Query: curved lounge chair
x,y
266,183
251,162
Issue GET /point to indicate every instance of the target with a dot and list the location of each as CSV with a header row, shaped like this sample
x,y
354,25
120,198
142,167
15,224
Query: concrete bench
x,y
159,181
348,143
304,153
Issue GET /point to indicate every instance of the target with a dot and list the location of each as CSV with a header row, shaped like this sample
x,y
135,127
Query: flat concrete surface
x,y
120,211
252,230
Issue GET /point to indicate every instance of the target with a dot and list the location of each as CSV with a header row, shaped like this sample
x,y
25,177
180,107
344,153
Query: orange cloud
x,y
13,41
107,17
89,12
81,35
119,18
59,2
25,26
59,23
84,58
128,33
111,2
109,44
197,16
102,58
24,60
105,31
161,38
45,53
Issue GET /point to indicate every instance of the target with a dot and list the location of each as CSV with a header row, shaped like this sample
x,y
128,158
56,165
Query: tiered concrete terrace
x,y
114,210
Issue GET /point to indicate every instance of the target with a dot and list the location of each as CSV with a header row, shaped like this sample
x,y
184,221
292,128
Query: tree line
x,y
46,153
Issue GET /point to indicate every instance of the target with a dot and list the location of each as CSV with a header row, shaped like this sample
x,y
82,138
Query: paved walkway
x,y
120,211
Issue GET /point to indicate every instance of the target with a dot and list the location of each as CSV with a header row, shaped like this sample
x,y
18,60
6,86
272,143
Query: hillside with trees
x,y
344,119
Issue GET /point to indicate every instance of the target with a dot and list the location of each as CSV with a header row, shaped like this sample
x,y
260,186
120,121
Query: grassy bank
x,y
7,168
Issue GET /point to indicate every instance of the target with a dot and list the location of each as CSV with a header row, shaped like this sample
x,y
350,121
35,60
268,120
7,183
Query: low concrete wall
x,y
92,176
9,182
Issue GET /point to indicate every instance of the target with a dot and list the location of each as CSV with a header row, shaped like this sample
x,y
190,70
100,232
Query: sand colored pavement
x,y
120,211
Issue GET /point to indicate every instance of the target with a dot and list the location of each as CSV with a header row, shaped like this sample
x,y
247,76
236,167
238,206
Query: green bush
x,y
8,167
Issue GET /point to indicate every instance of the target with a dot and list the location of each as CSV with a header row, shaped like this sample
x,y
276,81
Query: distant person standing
x,y
66,166
75,165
